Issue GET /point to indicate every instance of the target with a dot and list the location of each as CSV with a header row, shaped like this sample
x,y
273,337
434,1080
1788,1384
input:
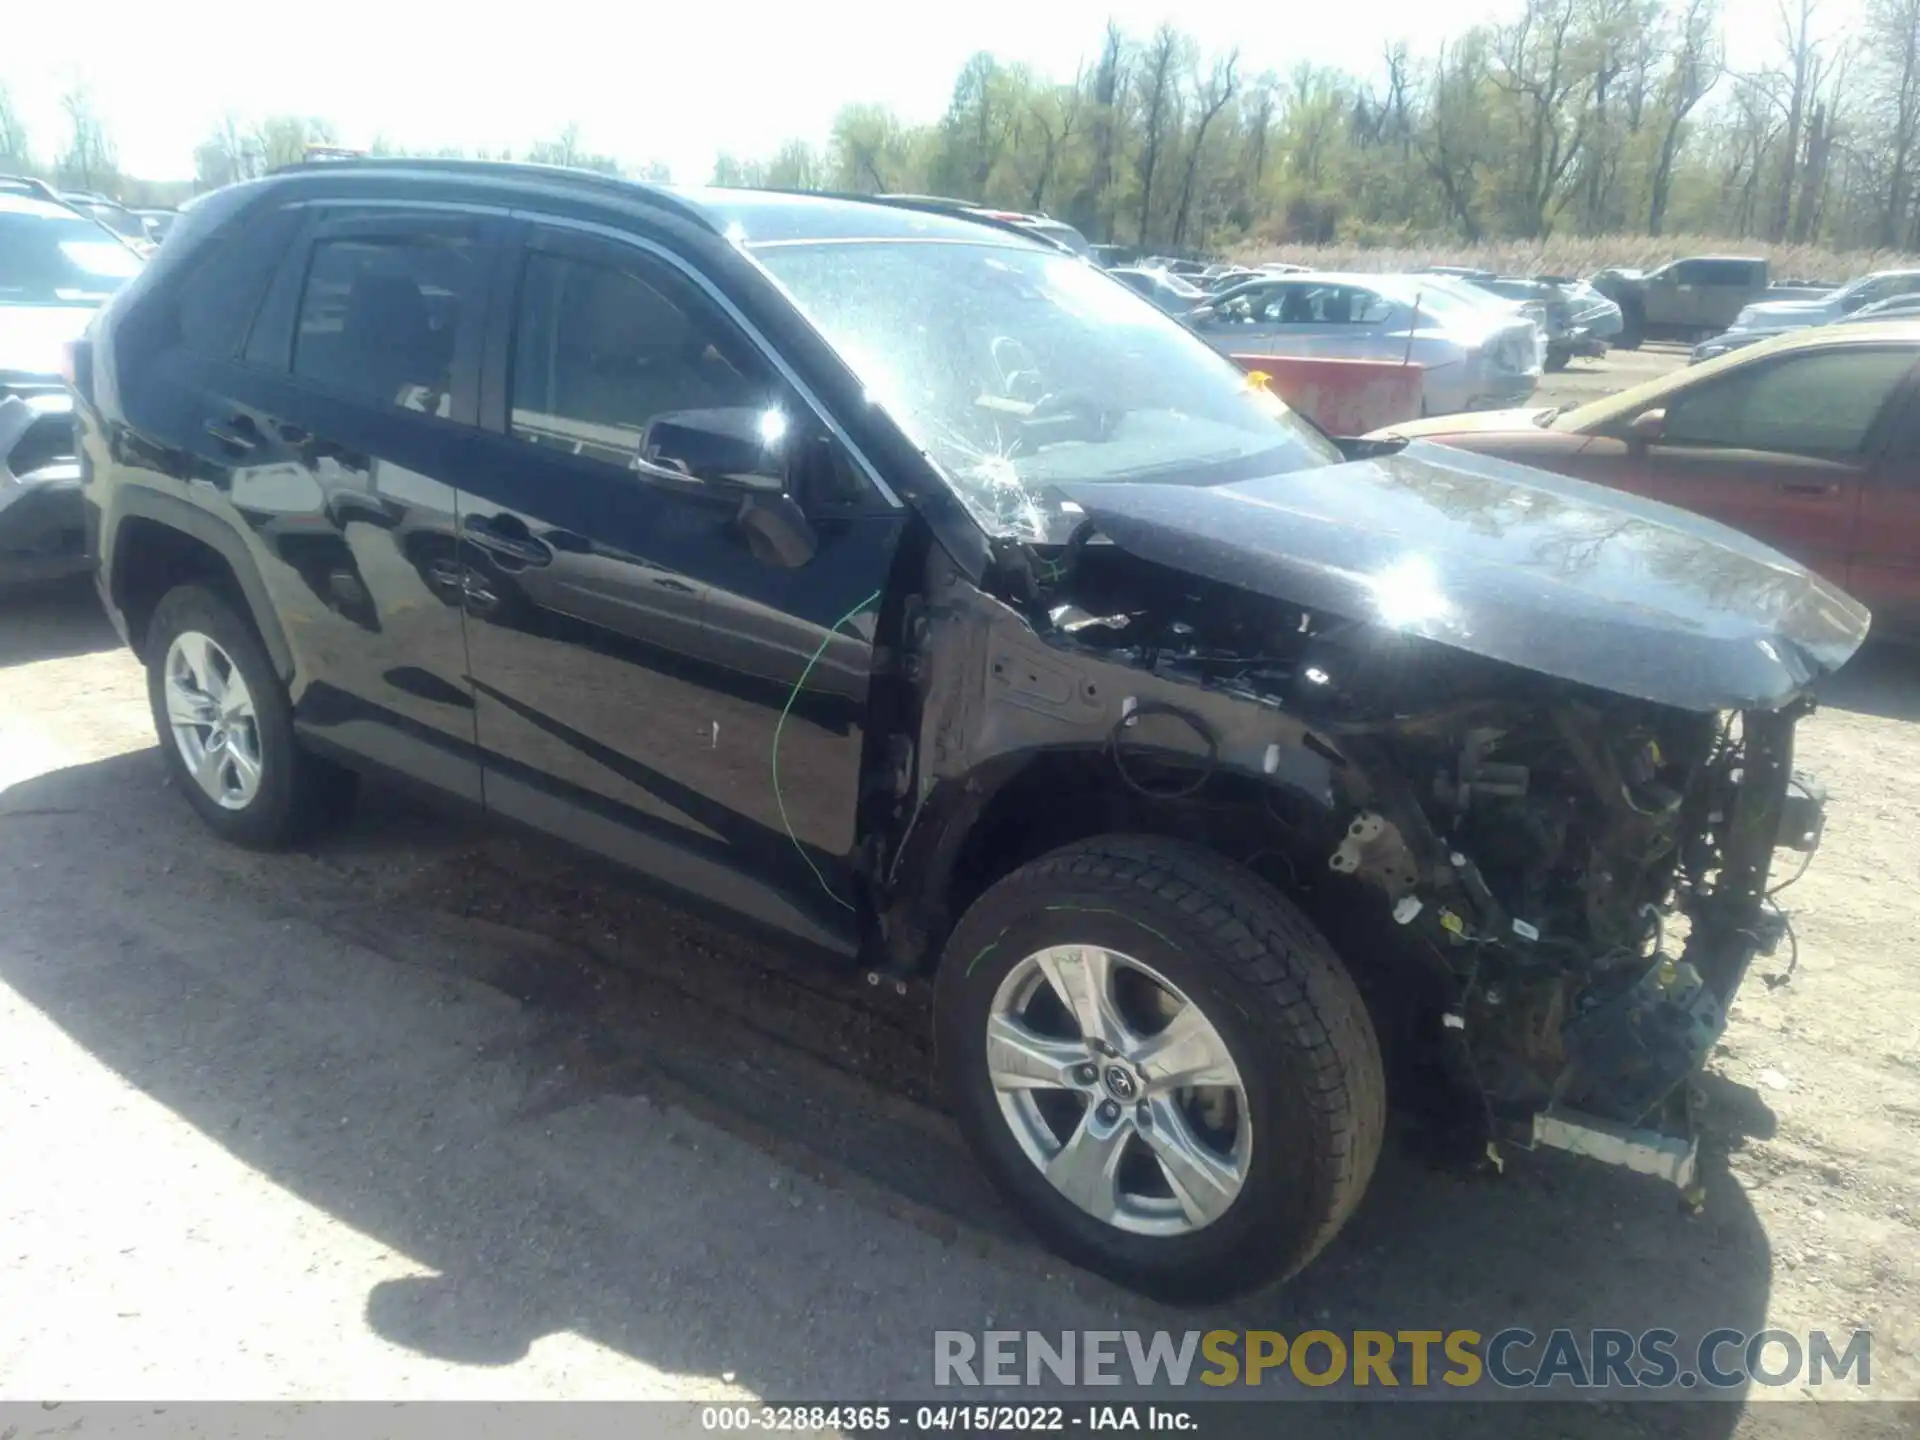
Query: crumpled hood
x,y
1541,571
31,335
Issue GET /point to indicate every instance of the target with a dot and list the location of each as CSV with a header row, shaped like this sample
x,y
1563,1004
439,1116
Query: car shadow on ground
x,y
519,1115
1882,679
52,622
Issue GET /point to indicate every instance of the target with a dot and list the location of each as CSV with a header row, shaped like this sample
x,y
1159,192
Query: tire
x,y
1309,1110
1633,328
292,793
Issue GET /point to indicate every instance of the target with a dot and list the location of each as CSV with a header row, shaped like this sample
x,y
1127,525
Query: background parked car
x,y
1688,299
1057,231
1776,315
1810,443
112,214
1899,307
1174,294
157,222
1578,319
57,267
1472,355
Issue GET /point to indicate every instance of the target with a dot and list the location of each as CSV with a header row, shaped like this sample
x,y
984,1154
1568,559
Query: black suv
x,y
900,584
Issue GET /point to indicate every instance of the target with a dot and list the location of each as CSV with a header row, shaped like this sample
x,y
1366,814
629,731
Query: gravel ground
x,y
1585,380
429,1111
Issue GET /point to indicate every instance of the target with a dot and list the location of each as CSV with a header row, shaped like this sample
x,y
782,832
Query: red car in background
x,y
1810,443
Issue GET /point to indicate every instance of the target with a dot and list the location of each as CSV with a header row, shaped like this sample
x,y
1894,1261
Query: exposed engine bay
x,y
1549,892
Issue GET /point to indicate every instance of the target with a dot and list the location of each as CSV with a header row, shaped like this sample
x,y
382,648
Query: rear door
x,y
1781,448
343,434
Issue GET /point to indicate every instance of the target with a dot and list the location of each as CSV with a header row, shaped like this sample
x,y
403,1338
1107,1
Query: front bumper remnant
x,y
1672,1158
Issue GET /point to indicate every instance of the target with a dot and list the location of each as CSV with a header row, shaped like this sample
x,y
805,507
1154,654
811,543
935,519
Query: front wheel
x,y
1162,1064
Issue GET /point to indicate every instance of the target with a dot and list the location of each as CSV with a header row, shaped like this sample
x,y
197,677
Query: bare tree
x,y
1803,77
88,161
1454,144
1893,45
1159,104
1220,87
1535,62
1695,65
1054,114
13,134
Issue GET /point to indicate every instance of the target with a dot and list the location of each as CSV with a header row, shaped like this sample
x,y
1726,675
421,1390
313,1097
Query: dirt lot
x,y
1585,380
432,1112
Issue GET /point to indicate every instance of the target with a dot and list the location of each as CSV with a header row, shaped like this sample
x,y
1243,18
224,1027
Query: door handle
x,y
238,433
1808,487
491,533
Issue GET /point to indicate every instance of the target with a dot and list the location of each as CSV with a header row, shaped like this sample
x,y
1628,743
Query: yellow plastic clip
x,y
1259,380
1452,923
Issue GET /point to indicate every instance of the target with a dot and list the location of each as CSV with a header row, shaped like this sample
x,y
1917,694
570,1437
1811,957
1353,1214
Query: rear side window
x,y
1719,272
1823,403
1324,305
378,318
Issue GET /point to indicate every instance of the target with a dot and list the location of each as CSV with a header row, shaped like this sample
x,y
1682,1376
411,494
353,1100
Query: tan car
x,y
1809,442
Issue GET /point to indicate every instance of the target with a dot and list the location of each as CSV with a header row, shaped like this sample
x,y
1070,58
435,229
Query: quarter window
x,y
1819,404
378,319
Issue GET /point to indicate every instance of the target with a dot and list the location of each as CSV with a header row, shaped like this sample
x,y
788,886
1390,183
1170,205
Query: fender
x,y
140,502
998,701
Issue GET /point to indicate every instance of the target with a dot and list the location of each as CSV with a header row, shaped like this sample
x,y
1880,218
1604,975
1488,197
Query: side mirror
x,y
776,530
718,452
1646,428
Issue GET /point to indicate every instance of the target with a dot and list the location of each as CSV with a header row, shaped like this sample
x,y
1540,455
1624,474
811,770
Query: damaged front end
x,y
1523,749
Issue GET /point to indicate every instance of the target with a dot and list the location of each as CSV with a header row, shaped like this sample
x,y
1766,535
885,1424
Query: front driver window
x,y
632,367
1820,404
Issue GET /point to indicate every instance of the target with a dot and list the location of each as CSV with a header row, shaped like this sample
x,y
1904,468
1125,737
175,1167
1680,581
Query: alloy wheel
x,y
211,714
1119,1089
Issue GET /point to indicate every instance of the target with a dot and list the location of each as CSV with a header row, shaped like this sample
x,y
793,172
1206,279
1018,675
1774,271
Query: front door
x,y
664,543
1780,449
1884,572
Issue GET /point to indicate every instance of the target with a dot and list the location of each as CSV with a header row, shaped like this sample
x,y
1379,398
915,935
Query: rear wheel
x,y
1633,328
1162,1063
226,727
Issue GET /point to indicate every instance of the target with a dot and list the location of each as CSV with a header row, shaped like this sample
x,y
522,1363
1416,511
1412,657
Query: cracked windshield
x,y
1017,368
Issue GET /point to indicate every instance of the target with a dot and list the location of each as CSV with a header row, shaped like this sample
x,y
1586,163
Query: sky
x,y
677,83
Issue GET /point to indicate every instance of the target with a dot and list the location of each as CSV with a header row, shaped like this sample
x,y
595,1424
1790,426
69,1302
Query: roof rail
x,y
933,205
30,185
509,169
